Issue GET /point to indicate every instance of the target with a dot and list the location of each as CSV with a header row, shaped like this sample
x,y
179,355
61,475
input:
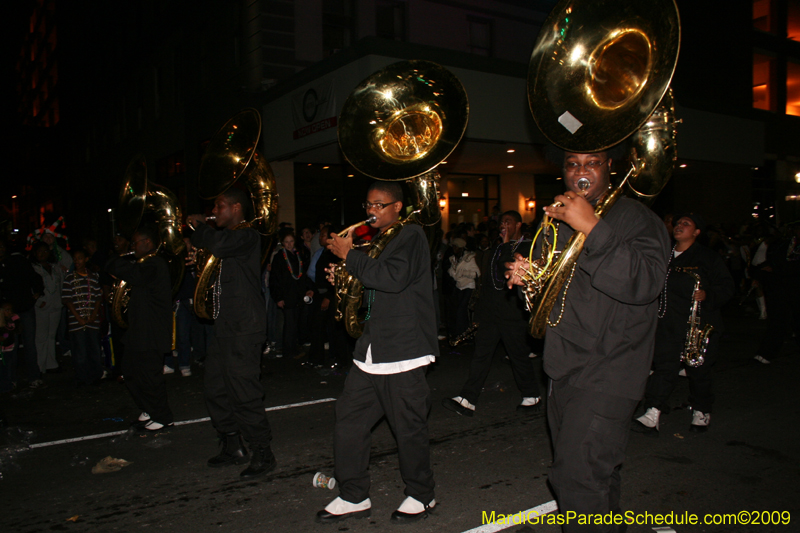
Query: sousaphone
x,y
231,159
599,74
398,125
144,202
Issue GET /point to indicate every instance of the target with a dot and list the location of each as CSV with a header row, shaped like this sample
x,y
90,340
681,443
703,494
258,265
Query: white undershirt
x,y
398,367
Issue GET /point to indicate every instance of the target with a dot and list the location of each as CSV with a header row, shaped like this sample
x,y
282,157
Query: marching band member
x,y
716,288
598,358
233,390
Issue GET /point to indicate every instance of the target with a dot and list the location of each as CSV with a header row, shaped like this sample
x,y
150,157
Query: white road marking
x,y
181,423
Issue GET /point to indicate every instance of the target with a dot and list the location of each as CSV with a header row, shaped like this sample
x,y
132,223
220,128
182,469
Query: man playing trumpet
x,y
598,357
389,364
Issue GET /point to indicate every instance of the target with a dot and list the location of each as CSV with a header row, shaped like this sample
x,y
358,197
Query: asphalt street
x,y
496,461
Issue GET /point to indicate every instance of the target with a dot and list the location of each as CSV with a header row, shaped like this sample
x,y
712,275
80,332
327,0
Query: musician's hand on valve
x,y
699,295
514,269
576,211
195,220
329,273
340,246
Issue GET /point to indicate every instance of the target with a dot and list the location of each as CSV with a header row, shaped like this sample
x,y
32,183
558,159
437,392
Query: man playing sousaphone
x,y
234,394
598,357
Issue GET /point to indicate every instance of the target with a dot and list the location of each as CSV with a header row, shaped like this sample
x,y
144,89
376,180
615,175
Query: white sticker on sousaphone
x,y
570,122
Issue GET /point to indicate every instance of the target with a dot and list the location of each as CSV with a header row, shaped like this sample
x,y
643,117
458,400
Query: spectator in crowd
x,y
82,296
781,282
9,321
22,286
289,286
464,271
48,307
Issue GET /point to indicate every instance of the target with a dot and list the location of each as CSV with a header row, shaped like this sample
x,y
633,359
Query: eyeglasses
x,y
367,205
592,165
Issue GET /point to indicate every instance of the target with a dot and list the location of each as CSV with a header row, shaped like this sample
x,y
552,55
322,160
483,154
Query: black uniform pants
x,y
667,364
144,377
590,433
234,394
405,400
514,338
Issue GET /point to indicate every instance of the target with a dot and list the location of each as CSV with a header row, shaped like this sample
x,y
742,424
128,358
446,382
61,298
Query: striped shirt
x,y
84,292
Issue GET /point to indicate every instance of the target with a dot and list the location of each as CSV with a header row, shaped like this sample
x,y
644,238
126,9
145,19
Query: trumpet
x,y
347,287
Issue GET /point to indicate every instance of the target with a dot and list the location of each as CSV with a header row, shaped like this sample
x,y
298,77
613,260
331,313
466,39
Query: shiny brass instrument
x,y
398,125
140,202
599,73
468,334
231,159
696,345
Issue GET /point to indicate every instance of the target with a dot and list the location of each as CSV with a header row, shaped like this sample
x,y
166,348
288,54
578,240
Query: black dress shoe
x,y
233,451
400,517
262,462
324,517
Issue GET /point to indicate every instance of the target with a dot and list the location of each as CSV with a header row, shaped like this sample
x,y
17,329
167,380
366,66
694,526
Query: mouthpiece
x,y
583,184
213,218
371,220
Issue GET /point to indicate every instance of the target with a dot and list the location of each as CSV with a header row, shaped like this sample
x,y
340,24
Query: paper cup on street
x,y
321,481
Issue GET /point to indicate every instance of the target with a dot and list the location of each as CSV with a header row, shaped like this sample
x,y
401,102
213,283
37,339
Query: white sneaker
x,y
67,353
650,419
168,370
441,337
186,372
340,506
459,405
761,360
533,355
682,373
700,421
144,417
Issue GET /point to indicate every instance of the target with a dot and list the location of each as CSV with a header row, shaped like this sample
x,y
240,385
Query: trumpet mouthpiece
x,y
583,184
211,219
371,220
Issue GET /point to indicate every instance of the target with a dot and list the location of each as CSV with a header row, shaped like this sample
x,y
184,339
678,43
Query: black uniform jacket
x,y
605,339
242,311
715,280
402,322
150,304
496,302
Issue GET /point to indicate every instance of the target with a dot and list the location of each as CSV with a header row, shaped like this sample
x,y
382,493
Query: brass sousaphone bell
x,y
142,201
398,125
231,159
600,73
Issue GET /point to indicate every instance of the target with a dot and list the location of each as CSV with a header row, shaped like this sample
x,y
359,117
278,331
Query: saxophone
x,y
696,344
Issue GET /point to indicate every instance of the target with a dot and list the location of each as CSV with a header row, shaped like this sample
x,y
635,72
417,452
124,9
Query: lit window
x,y
763,16
763,82
793,89
793,20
